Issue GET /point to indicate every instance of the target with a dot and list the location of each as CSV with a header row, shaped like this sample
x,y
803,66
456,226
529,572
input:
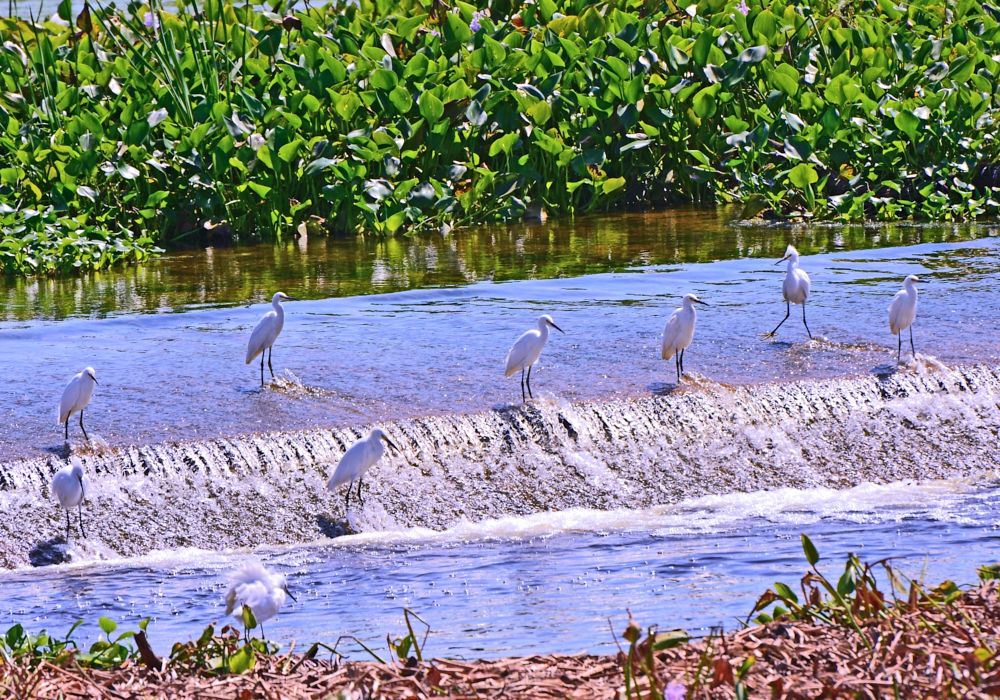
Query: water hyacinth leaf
x,y
476,114
156,117
107,625
317,166
592,24
842,90
907,122
612,184
422,195
504,144
753,55
290,150
261,190
455,29
635,145
383,79
669,640
812,555
540,113
431,108
87,192
703,46
401,100
378,189
243,660
407,28
127,171
736,125
803,175
704,101
785,592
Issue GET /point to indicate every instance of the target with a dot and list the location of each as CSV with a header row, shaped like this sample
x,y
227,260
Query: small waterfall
x,y
270,489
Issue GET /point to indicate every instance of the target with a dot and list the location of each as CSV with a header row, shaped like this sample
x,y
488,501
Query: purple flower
x,y
675,691
742,7
151,20
475,26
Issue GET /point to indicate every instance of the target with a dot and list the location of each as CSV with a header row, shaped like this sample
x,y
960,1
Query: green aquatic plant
x,y
19,645
123,130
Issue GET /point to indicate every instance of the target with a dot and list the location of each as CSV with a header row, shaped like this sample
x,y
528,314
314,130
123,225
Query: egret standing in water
x,y
69,486
256,588
358,459
903,312
679,331
266,332
75,397
527,349
795,289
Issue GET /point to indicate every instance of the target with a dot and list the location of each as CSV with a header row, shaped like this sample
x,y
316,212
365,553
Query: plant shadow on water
x,y
49,552
332,528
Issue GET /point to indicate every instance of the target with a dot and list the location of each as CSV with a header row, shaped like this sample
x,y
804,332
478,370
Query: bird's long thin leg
x,y
67,427
522,386
529,384
360,500
788,313
82,531
262,368
682,363
261,625
347,501
67,524
804,321
270,351
899,349
912,349
677,366
81,426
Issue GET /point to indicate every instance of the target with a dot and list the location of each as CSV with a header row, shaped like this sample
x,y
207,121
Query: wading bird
x,y
679,331
75,398
256,588
266,332
526,350
358,459
69,486
903,312
795,289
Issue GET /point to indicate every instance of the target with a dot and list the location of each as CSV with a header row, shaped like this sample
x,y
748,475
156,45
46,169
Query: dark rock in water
x,y
49,552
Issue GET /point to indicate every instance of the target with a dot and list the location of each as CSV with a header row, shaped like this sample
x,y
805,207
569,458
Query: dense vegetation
x,y
121,131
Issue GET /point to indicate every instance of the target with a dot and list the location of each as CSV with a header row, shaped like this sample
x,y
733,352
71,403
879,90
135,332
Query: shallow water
x,y
541,584
345,361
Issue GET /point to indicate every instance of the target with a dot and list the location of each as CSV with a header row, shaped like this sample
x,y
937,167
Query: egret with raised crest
x,y
903,312
358,459
266,332
679,331
527,349
795,289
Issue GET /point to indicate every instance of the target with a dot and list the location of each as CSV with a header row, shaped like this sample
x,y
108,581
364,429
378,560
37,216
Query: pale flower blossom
x,y
256,141
675,691
743,8
151,20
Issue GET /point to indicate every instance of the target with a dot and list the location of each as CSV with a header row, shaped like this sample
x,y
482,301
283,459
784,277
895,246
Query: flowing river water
x,y
510,528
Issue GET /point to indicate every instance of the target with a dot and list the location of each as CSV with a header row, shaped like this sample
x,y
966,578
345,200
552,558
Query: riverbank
x,y
932,643
124,132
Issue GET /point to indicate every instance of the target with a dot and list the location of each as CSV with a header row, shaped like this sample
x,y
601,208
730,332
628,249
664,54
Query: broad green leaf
x,y
416,67
812,556
703,46
767,24
243,660
634,90
431,107
290,150
317,166
907,122
786,592
503,144
107,625
540,113
612,184
842,90
407,28
704,102
592,24
262,190
383,79
401,100
803,175
455,29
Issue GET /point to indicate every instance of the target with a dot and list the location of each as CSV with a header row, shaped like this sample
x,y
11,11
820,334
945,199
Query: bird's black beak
x,y
95,379
289,594
782,260
557,328
699,301
290,299
391,444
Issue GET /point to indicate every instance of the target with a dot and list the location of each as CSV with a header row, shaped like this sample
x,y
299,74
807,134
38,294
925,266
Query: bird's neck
x,y
793,263
278,308
543,328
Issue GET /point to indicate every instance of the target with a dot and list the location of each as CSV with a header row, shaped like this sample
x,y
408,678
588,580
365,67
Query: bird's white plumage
x,y
70,484
263,591
903,309
358,459
527,349
77,394
267,329
679,331
795,288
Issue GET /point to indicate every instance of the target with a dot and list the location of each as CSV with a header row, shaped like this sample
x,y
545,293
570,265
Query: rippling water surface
x,y
543,584
510,529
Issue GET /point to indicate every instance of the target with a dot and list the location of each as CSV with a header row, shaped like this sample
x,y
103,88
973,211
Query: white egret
x,y
526,350
258,589
266,332
795,288
69,486
679,331
358,459
903,312
75,397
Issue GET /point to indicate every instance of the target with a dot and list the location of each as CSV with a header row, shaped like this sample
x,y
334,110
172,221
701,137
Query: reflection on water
x,y
320,267
517,587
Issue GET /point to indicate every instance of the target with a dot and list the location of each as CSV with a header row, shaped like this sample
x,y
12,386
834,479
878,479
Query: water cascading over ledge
x,y
270,489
